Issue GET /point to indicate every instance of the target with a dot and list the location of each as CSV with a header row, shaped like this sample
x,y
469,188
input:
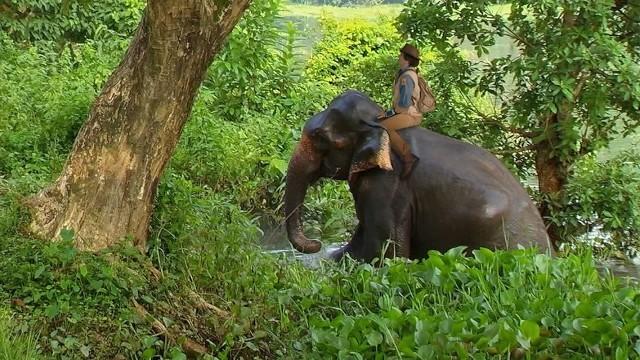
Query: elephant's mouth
x,y
334,172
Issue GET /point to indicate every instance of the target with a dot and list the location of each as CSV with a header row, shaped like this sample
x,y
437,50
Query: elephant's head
x,y
338,143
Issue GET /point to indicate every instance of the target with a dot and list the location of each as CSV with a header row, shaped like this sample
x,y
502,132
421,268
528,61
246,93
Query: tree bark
x,y
552,170
107,187
552,177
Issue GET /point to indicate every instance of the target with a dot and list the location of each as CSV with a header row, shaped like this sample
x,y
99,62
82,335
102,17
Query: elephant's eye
x,y
320,139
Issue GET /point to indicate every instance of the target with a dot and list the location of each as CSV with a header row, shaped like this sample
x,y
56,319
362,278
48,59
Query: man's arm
x,y
406,91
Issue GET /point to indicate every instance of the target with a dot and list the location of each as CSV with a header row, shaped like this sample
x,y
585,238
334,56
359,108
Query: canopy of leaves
x,y
570,77
68,20
255,78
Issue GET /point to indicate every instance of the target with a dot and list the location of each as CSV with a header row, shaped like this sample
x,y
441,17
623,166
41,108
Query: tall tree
x,y
570,85
107,187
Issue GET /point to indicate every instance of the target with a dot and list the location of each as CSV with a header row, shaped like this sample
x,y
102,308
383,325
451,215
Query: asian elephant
x,y
457,195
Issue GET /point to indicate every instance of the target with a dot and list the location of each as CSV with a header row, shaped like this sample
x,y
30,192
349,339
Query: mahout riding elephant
x,y
457,195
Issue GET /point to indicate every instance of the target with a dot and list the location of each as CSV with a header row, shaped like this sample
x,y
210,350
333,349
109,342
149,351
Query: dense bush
x,y
257,78
45,98
602,204
507,304
67,20
356,54
347,2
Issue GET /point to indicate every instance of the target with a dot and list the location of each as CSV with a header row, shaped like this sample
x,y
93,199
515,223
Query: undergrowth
x,y
517,303
14,346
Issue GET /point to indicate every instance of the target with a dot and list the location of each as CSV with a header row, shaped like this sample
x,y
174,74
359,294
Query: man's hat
x,y
411,51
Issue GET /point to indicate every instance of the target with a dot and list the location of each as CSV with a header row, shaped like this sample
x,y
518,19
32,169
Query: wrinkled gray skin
x,y
458,193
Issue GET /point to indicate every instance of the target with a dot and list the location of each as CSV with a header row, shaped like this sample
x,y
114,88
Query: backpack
x,y
427,101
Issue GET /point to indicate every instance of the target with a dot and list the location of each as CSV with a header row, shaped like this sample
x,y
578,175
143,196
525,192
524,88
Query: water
x,y
629,270
274,241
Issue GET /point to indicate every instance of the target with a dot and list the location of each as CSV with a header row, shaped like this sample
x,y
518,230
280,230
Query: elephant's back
x,y
456,158
465,181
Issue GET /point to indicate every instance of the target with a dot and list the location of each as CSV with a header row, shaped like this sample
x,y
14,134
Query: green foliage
x,y
605,196
311,14
68,296
225,178
345,3
55,278
356,54
14,346
67,20
569,86
255,80
588,64
494,303
46,97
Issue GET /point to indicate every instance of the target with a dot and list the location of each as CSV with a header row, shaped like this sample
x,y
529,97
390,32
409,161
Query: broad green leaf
x,y
374,338
530,329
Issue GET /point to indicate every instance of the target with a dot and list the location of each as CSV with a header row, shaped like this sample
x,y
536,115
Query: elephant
x,y
458,194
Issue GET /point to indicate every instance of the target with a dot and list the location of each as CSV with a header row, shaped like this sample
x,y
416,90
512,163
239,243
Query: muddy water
x,y
621,268
274,241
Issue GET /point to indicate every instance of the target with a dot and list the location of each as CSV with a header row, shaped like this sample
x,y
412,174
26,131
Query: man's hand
x,y
386,114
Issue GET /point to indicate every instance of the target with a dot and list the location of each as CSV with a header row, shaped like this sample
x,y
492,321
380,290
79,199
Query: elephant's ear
x,y
373,152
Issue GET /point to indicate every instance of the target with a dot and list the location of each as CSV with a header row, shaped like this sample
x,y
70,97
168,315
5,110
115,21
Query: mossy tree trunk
x,y
107,187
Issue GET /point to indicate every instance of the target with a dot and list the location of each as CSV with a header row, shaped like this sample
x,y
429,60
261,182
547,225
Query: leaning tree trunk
x,y
107,187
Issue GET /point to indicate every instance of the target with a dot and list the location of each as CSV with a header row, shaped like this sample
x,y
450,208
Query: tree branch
x,y
191,347
517,37
578,89
490,120
515,151
202,304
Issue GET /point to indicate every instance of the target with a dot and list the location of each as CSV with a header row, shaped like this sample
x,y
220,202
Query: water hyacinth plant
x,y
493,303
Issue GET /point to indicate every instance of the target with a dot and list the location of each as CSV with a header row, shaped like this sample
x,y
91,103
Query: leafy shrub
x,y
228,170
46,97
603,201
356,54
14,346
256,78
347,2
500,303
68,295
66,20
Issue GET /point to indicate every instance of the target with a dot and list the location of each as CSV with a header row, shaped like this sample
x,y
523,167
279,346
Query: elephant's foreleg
x,y
374,198
355,239
401,235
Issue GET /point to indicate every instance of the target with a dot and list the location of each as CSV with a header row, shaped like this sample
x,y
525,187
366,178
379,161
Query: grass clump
x,y
14,346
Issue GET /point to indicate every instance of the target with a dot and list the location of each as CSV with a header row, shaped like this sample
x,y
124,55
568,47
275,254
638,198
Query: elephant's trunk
x,y
303,170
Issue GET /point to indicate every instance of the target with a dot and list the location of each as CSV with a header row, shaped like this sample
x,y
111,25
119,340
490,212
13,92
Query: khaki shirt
x,y
407,80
